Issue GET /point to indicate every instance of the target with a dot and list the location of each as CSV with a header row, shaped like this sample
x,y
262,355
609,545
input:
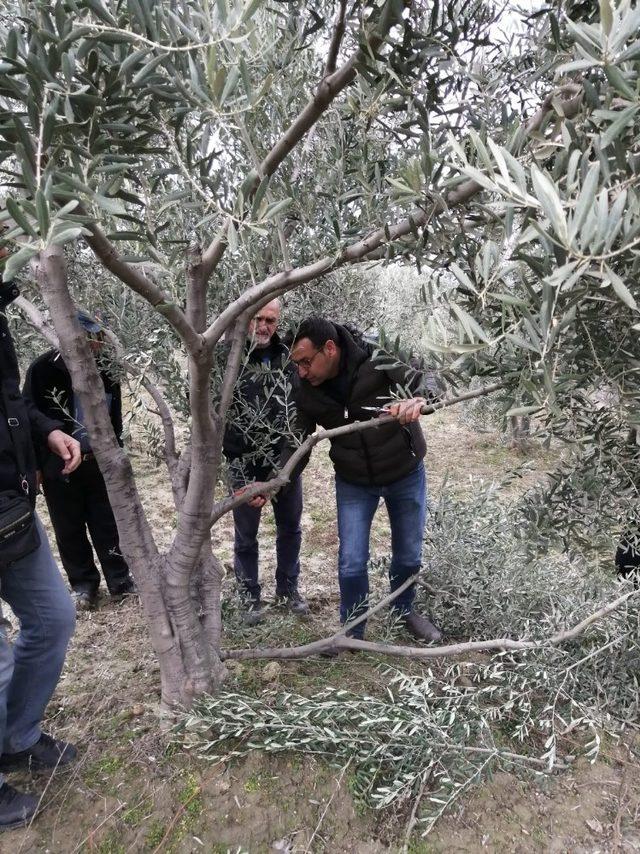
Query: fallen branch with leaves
x,y
340,641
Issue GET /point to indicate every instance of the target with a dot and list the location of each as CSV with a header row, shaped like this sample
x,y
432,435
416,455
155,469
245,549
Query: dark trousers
x,y
78,502
287,509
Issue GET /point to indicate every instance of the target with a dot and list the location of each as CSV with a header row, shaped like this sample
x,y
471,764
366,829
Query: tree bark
x,y
180,648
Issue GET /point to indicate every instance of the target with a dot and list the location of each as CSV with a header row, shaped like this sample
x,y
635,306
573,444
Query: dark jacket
x,y
48,385
255,442
377,456
28,426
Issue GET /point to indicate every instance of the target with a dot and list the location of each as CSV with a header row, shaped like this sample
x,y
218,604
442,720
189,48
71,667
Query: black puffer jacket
x,y
28,426
255,439
375,456
48,385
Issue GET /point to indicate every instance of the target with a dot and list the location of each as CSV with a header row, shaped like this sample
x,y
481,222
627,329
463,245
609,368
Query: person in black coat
x,y
79,501
31,584
343,382
256,446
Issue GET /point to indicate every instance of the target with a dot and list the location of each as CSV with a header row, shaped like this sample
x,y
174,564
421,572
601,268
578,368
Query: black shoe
x,y
84,600
127,588
16,808
422,628
254,612
294,602
47,752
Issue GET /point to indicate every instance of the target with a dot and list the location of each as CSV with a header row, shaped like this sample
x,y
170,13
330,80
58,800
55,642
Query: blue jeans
x,y
29,672
406,501
287,509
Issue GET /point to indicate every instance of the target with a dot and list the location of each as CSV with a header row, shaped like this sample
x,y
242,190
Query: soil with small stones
x,y
133,790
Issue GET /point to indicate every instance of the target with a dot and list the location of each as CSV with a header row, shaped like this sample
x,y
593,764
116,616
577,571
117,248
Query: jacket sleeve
x,y
41,425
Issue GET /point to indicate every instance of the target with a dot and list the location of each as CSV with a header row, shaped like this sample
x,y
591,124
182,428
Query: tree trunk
x,y
187,649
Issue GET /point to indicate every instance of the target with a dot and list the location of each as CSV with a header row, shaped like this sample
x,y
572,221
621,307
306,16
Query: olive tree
x,y
210,157
548,260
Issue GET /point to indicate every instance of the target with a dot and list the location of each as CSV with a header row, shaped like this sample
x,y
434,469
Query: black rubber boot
x,y
16,808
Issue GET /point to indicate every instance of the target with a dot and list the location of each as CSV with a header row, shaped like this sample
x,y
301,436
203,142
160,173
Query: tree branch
x,y
365,249
192,525
339,641
196,312
170,451
36,319
328,89
331,642
282,236
142,285
310,442
336,38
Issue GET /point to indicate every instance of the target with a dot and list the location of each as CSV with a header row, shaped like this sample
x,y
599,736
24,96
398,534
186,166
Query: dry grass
x,y
131,791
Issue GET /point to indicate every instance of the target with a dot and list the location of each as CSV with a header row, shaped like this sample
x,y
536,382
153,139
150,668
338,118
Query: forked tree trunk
x,y
187,646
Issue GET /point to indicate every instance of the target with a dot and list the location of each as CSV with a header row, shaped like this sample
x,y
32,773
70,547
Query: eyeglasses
x,y
305,364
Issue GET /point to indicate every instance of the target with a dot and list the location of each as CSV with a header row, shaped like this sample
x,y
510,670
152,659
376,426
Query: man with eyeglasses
x,y
340,383
79,501
256,446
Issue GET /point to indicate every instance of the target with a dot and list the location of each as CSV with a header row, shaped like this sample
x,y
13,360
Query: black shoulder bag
x,y
18,530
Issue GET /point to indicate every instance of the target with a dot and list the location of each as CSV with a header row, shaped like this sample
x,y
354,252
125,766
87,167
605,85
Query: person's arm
x,y
41,424
65,447
422,383
45,431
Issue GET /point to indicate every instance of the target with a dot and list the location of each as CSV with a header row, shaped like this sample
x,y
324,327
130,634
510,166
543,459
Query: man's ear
x,y
330,348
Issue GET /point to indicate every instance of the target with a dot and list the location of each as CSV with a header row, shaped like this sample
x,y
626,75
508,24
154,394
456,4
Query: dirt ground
x,y
134,790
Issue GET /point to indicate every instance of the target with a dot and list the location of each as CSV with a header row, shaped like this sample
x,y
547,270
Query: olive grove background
x,y
460,178
156,135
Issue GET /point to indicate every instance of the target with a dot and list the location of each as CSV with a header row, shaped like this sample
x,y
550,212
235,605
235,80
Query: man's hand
x,y
256,501
406,411
67,448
